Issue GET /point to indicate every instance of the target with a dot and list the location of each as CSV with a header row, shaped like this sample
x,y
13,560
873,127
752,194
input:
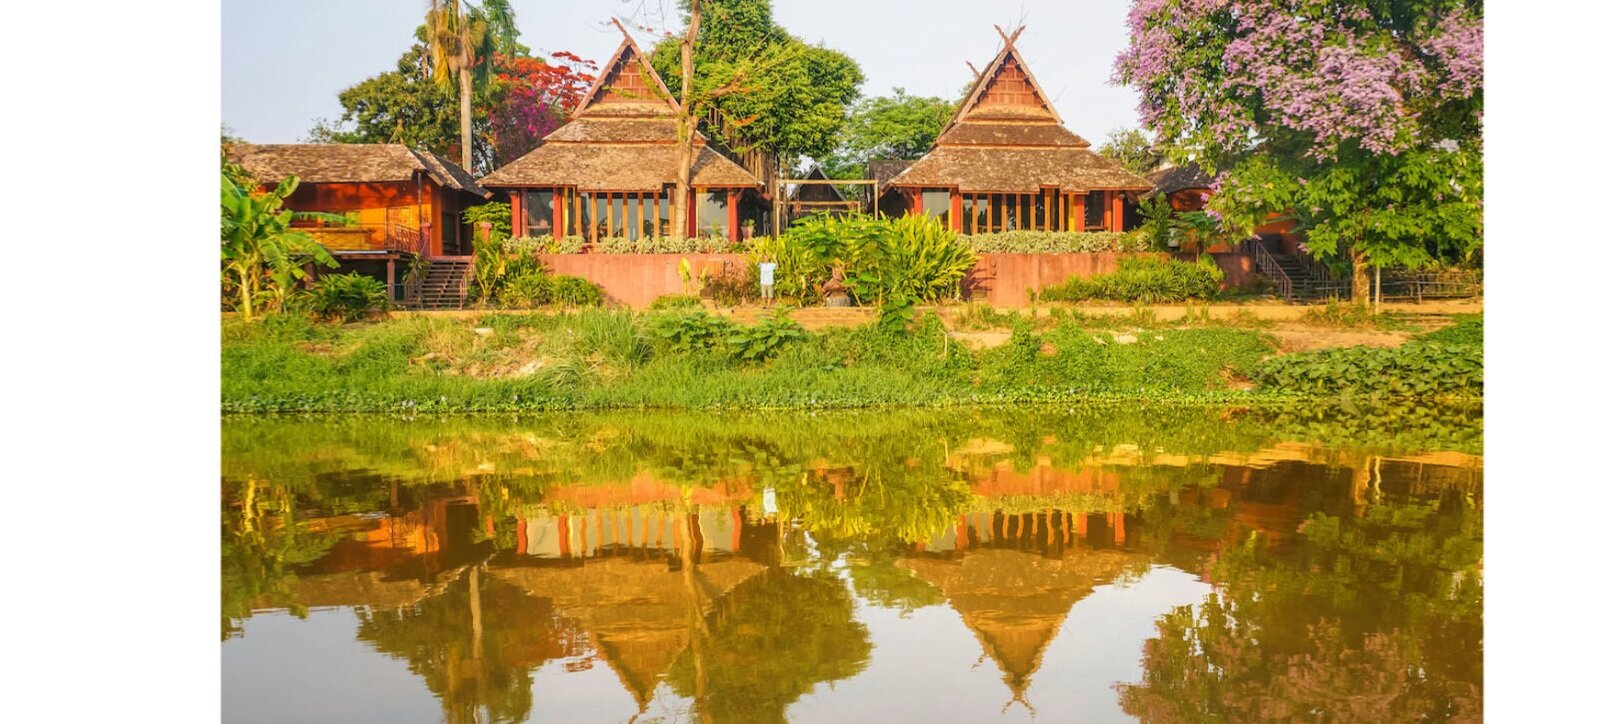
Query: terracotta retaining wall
x,y
1003,280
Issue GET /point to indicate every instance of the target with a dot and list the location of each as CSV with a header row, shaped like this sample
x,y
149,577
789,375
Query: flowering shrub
x,y
1049,242
530,245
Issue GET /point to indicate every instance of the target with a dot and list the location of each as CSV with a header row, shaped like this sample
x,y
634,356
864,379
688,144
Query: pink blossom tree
x,y
1361,119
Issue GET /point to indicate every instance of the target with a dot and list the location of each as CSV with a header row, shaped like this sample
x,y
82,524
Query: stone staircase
x,y
444,285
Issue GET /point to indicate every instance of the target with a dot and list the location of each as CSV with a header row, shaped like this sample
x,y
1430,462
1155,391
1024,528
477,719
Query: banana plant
x,y
258,244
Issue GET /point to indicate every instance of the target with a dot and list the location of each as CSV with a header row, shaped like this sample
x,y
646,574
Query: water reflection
x,y
734,569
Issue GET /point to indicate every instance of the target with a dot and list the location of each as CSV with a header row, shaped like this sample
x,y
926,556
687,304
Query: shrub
x,y
1417,369
575,292
910,259
527,290
498,213
1051,242
691,332
733,285
667,245
1143,279
762,341
530,245
680,302
347,297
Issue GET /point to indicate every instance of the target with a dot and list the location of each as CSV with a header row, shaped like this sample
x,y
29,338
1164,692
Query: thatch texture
x,y
615,167
883,170
1180,178
1011,134
349,163
1019,170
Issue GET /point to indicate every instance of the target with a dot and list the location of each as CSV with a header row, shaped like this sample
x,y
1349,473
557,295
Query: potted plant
x,y
748,229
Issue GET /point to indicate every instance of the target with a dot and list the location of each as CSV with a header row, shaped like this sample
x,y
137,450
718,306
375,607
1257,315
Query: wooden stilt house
x,y
1006,162
611,171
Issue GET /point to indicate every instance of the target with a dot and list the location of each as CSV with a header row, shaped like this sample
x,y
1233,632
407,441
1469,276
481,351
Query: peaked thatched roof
x,y
882,170
349,163
1007,137
621,138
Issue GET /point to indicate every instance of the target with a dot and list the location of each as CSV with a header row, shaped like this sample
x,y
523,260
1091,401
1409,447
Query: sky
x,y
284,62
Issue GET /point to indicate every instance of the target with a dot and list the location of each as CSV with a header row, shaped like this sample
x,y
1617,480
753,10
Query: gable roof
x,y
349,163
622,137
1172,179
1007,137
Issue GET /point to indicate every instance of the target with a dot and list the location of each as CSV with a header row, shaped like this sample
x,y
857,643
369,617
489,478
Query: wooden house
x,y
399,201
1006,162
611,171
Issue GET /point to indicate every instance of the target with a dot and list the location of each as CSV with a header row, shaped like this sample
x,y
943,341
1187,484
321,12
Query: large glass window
x,y
537,207
1095,204
937,204
714,217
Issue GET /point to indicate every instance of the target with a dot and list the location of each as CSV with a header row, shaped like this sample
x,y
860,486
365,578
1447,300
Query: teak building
x,y
1005,162
611,171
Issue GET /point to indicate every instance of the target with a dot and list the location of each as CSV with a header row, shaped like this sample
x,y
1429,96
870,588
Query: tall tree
x,y
899,126
1132,148
461,42
1361,120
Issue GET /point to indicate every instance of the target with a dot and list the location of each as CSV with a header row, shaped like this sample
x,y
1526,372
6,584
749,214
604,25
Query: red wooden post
x,y
517,213
734,231
916,198
523,536
1077,220
390,273
558,213
1117,222
955,217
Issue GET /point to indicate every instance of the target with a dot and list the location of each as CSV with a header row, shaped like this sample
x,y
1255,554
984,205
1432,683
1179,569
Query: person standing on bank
x,y
768,281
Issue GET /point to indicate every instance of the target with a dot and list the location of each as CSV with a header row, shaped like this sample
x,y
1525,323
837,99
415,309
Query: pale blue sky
x,y
284,62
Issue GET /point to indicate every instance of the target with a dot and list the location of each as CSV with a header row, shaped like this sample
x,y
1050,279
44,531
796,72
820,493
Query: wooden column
x,y
1117,220
734,232
955,216
523,536
559,213
516,196
1077,213
390,282
915,199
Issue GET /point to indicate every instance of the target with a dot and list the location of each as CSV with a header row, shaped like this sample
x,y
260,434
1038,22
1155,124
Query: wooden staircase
x,y
1297,278
444,284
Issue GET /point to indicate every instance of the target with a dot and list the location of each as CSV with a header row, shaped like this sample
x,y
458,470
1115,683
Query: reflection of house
x,y
611,171
637,608
1006,162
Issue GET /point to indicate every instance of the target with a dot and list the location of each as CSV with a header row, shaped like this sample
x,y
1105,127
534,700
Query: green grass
x,y
601,359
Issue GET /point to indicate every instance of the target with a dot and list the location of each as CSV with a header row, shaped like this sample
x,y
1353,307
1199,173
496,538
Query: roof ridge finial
x,y
621,27
1009,39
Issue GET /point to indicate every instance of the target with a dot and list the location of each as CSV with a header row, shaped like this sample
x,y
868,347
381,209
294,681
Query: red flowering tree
x,y
533,96
1359,118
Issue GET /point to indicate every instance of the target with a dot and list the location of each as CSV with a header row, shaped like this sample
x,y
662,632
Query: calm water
x,y
1099,565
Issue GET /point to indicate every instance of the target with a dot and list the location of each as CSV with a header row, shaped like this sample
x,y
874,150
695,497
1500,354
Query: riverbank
x,y
970,355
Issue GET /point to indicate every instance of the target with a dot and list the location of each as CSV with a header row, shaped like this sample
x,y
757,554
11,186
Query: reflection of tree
x,y
474,645
262,542
769,642
1375,618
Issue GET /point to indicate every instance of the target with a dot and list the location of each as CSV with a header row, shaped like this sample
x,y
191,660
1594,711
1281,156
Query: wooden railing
x,y
369,237
1268,266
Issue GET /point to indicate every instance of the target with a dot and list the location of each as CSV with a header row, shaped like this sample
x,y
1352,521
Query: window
x,y
990,213
937,204
537,209
714,218
1095,204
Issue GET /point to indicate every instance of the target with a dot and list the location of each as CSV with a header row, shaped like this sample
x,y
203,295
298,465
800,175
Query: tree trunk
x,y
1359,276
247,297
467,116
686,128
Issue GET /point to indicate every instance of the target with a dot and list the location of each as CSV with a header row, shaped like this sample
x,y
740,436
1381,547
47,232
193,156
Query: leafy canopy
x,y
897,126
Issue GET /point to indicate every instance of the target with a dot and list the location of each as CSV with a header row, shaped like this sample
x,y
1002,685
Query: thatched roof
x,y
349,163
882,170
1007,137
816,192
1019,169
1180,178
622,138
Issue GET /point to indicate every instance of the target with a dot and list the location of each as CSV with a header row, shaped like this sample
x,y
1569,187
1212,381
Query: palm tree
x,y
462,41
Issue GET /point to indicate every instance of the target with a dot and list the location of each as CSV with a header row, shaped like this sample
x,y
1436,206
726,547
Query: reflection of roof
x,y
361,588
1014,602
637,612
